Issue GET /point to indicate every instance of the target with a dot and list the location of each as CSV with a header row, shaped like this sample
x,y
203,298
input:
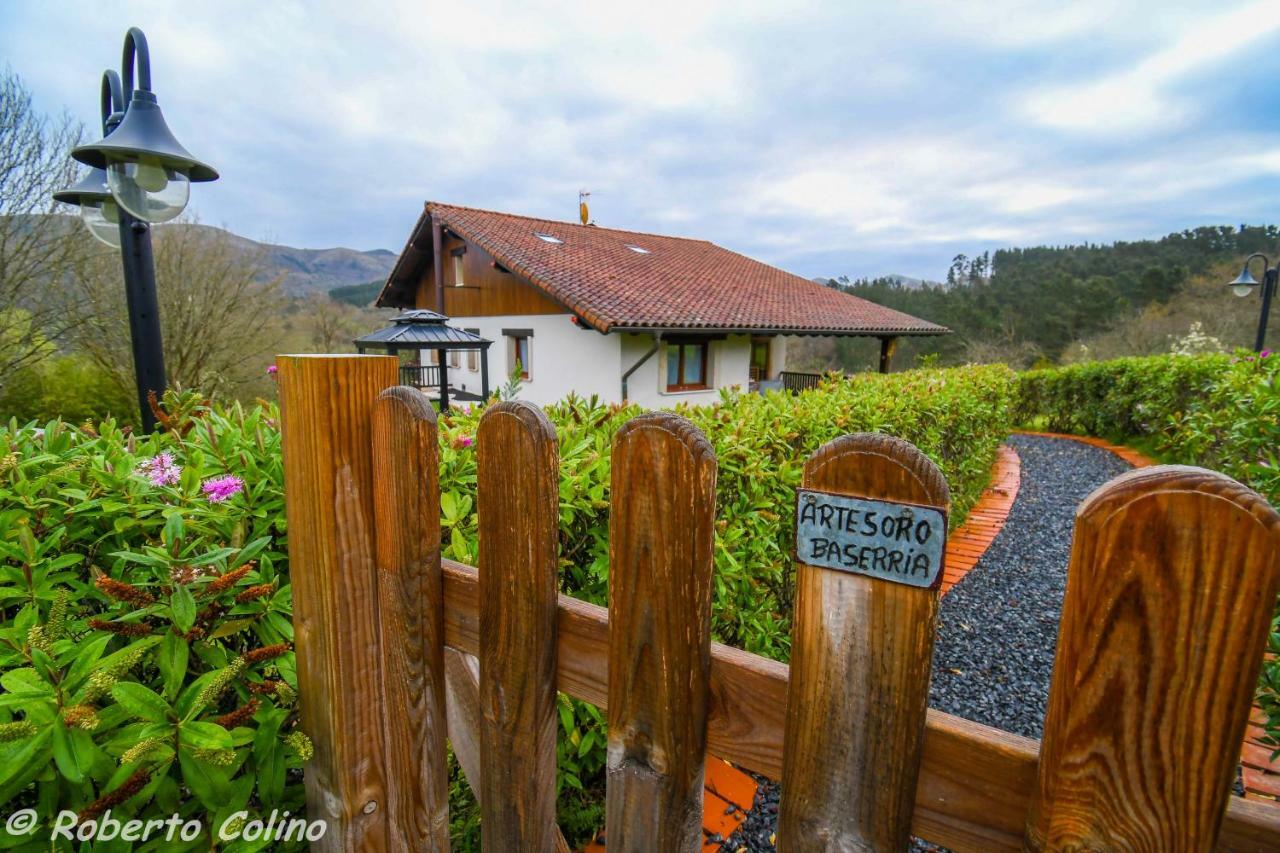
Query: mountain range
x,y
307,271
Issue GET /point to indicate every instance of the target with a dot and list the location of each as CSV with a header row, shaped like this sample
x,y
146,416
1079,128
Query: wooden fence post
x,y
660,564
1170,591
406,499
518,499
861,653
326,405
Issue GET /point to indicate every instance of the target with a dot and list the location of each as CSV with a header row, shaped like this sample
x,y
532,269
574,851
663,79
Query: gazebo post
x,y
444,378
484,374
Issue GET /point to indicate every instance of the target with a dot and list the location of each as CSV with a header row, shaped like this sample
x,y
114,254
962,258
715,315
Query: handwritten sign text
x,y
897,542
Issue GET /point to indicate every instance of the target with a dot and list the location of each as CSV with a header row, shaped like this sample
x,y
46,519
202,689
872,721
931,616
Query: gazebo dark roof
x,y
422,329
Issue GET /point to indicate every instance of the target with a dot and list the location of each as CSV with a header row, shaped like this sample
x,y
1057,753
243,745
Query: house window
x,y
457,271
472,355
455,359
519,344
687,367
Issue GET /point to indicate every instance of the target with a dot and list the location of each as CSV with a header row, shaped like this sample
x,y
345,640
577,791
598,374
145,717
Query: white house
x,y
617,314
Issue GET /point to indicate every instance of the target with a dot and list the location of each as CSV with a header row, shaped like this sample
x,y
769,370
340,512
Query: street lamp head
x,y
1244,283
97,206
148,170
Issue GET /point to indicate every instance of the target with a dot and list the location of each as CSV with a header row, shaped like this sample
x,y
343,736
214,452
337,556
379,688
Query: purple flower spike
x,y
161,470
220,489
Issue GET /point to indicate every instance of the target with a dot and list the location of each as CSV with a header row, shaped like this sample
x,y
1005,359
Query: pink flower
x,y
465,441
1264,353
220,489
271,369
161,470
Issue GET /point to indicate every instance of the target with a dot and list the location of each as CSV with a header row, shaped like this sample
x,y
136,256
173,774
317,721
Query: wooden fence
x,y
1172,580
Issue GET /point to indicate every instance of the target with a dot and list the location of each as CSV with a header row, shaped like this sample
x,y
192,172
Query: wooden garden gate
x,y
1172,581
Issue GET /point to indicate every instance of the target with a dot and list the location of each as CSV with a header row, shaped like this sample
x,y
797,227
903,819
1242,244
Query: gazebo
x,y
420,330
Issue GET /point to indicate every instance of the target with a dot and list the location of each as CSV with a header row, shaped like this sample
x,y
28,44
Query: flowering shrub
x,y
1222,412
145,635
145,609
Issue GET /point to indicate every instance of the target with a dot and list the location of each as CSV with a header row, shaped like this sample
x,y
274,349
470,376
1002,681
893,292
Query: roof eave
x,y
877,332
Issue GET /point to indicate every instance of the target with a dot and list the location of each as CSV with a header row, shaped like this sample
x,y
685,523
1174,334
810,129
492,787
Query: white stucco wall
x,y
563,358
729,362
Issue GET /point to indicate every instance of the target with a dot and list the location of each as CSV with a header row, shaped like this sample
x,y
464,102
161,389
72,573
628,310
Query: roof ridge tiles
x,y
594,228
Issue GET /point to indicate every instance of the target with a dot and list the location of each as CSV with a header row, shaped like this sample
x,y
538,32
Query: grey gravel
x,y
998,627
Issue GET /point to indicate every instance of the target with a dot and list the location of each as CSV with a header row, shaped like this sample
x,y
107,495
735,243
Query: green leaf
x,y
172,534
209,783
183,608
171,660
24,679
73,751
25,764
268,756
142,702
204,735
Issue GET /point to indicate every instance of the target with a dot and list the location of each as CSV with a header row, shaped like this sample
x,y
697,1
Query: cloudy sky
x,y
819,137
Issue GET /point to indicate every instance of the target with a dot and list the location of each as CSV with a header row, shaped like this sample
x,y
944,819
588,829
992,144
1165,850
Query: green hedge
x,y
1218,411
1122,398
76,503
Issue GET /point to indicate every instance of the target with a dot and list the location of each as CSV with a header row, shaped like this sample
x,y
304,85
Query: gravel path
x,y
997,628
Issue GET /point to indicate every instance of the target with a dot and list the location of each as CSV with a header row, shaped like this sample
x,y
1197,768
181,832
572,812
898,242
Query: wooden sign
x,y
893,541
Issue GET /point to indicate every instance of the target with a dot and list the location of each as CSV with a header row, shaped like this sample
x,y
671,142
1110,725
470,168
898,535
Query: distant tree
x,y
36,250
331,325
220,321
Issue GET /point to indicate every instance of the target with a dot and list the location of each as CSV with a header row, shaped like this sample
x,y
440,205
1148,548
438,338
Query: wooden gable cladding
x,y
488,290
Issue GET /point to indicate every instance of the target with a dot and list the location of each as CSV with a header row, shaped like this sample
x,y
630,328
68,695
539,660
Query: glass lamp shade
x,y
148,189
102,218
1244,283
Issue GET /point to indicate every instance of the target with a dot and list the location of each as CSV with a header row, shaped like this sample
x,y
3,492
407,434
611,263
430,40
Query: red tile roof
x,y
674,283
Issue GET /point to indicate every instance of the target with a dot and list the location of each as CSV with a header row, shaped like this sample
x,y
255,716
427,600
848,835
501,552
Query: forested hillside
x,y
1021,305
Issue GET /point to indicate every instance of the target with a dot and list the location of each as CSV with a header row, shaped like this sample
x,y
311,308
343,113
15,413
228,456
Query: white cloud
x,y
810,135
1141,97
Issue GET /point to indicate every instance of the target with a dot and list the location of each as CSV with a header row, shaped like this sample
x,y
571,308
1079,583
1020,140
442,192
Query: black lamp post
x,y
1245,283
139,174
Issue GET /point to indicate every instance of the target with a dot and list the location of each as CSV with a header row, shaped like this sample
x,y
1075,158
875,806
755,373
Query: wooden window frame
x,y
706,366
472,354
459,269
517,335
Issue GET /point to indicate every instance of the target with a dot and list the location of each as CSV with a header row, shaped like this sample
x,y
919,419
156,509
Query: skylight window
x,y
547,238
639,250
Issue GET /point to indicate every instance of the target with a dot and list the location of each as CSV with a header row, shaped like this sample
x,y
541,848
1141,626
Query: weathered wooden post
x,y
871,532
660,562
326,407
1170,592
518,499
406,477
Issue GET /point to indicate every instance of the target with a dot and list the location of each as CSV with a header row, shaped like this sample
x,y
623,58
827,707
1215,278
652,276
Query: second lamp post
x,y
1245,283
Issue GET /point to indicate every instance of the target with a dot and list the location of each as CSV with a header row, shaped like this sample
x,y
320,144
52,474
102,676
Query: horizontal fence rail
x,y
975,781
1142,727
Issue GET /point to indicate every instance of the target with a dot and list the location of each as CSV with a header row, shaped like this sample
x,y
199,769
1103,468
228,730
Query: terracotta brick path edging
x,y
1128,454
971,540
1260,773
